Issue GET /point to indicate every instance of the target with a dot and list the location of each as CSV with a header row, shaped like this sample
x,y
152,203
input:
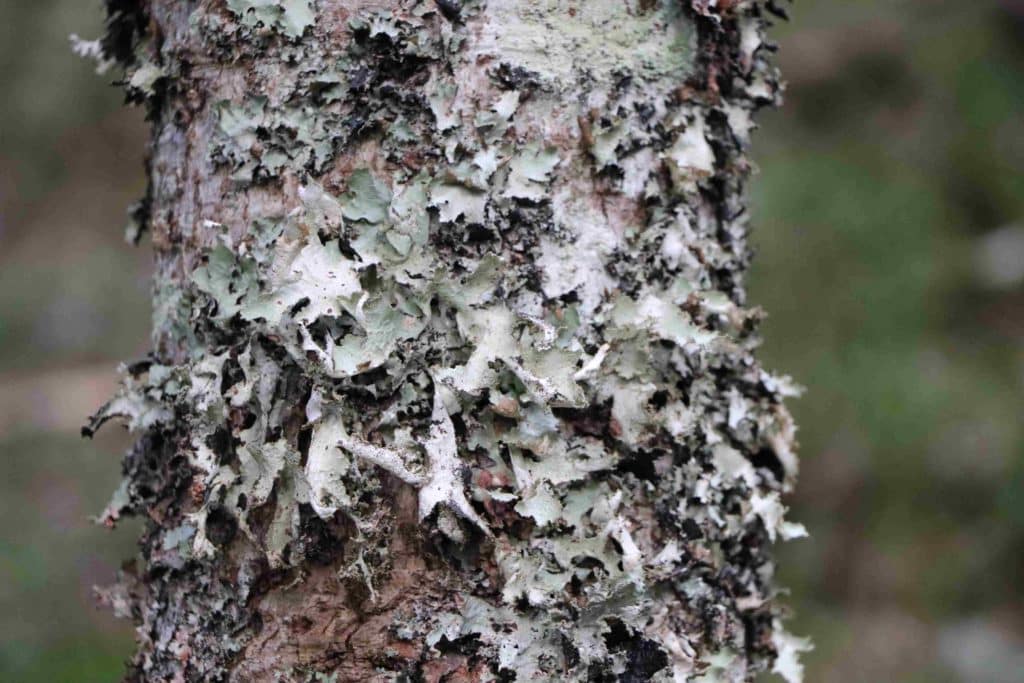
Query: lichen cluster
x,y
492,251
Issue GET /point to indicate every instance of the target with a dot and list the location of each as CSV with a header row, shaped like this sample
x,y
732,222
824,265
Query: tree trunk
x,y
452,375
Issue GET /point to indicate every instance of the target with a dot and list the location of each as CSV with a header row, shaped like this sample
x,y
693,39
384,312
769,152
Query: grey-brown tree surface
x,y
452,373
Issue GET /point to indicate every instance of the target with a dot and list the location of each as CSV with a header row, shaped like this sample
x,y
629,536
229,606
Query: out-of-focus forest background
x,y
889,221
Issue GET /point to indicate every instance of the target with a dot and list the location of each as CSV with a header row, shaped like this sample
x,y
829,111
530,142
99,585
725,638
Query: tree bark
x,y
452,375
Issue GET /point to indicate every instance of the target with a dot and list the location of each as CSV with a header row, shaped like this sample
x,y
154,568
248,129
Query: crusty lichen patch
x,y
489,251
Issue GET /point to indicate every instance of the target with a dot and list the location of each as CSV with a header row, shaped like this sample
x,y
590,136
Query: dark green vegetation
x,y
900,146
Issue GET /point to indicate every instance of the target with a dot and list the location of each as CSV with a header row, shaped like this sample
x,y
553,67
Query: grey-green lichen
x,y
289,17
492,251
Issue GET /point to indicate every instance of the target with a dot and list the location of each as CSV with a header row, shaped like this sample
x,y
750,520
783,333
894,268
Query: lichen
x,y
492,253
290,17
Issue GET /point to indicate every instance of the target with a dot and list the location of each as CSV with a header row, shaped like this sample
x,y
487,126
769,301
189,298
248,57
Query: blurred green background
x,y
889,222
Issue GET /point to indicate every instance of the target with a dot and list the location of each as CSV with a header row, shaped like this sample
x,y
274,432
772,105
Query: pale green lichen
x,y
259,140
558,38
528,308
290,17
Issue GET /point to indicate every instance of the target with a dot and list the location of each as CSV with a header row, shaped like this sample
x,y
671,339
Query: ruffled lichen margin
x,y
452,374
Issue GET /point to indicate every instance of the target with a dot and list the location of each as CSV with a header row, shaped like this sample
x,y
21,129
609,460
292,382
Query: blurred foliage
x,y
70,163
901,145
899,150
51,556
74,301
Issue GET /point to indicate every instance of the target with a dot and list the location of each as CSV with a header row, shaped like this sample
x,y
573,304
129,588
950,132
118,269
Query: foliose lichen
x,y
491,252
